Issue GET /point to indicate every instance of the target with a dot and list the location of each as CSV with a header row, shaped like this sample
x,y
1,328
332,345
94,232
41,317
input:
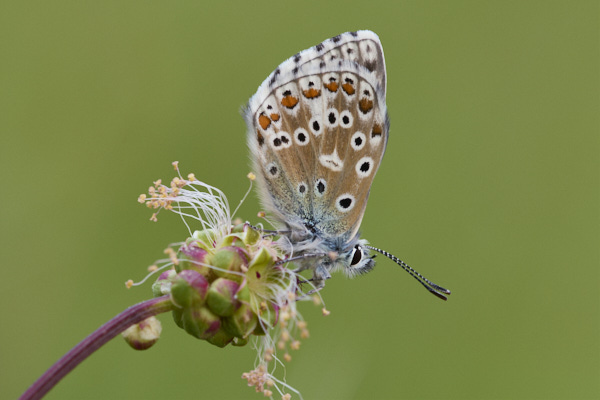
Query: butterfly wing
x,y
317,130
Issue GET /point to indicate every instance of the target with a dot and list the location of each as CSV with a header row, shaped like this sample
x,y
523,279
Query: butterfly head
x,y
323,256
358,260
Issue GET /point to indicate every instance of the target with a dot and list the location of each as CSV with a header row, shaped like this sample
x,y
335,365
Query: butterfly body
x,y
317,131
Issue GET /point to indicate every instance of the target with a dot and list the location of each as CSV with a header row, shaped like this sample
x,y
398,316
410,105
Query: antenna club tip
x,y
440,296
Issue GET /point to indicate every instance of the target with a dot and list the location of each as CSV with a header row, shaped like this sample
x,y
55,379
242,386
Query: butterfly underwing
x,y
317,131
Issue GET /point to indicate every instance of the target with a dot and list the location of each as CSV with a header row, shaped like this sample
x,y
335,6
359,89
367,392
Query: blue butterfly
x,y
317,131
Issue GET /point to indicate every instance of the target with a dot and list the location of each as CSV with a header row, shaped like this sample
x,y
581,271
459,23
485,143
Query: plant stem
x,y
87,346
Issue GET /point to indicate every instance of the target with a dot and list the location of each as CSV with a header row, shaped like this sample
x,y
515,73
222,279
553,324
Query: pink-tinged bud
x,y
200,322
242,322
163,284
189,288
232,259
220,339
193,257
221,297
143,335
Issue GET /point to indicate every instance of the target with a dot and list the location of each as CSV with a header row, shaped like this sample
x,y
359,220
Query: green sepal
x,y
163,284
243,293
251,236
261,274
269,316
205,238
234,240
239,342
262,259
241,323
239,228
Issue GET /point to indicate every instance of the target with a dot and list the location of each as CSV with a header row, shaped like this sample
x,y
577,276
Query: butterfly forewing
x,y
317,130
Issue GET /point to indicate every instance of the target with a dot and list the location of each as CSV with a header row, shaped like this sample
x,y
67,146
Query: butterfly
x,y
317,130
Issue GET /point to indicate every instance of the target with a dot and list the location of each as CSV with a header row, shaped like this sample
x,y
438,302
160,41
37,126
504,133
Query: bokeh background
x,y
490,187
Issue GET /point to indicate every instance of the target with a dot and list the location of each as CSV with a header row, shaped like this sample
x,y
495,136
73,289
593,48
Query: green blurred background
x,y
490,187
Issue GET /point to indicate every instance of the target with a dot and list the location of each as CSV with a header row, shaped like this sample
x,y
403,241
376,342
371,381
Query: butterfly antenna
x,y
432,287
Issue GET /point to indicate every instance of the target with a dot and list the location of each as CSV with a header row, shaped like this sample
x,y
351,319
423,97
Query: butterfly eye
x,y
356,255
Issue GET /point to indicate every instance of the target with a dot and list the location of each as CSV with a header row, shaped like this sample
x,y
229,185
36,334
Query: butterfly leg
x,y
267,231
316,287
300,257
320,275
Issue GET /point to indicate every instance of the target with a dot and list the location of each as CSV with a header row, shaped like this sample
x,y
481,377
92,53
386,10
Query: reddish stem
x,y
87,346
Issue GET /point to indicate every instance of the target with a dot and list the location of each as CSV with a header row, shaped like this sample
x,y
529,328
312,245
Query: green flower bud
x,y
220,339
200,322
189,288
143,335
178,316
230,259
221,297
242,322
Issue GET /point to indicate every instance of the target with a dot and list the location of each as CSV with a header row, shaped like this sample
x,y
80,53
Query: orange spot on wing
x,y
348,88
311,93
289,101
365,105
275,117
264,121
377,130
332,86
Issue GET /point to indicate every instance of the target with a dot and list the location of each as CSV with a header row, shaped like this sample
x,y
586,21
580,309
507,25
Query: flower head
x,y
229,282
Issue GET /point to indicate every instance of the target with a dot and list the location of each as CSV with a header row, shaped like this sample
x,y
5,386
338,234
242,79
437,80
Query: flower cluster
x,y
228,282
226,289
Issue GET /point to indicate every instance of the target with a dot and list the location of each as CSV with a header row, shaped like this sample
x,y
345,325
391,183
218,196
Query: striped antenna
x,y
432,287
